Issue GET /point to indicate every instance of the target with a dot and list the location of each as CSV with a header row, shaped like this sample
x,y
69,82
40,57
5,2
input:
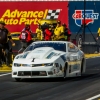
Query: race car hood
x,y
33,61
38,55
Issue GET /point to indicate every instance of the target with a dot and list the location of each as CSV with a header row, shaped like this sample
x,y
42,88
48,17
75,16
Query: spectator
x,y
48,34
59,32
39,33
67,32
4,44
25,37
51,29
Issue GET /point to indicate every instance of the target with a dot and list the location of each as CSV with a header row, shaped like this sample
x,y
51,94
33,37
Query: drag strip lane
x,y
53,89
44,90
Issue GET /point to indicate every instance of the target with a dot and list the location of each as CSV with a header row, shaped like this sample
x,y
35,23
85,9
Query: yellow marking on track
x,y
91,55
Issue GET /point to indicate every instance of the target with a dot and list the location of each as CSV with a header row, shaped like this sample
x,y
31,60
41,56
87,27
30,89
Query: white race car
x,y
46,59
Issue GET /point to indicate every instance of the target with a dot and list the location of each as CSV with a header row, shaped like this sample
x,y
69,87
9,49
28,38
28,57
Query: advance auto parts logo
x,y
90,16
28,17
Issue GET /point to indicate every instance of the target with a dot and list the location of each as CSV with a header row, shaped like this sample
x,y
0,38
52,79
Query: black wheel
x,y
18,79
65,69
82,64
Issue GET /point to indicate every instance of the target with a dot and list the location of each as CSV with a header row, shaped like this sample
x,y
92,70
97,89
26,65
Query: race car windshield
x,y
56,46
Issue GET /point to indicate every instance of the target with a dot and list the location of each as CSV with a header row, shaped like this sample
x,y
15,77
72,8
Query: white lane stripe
x,y
94,97
5,74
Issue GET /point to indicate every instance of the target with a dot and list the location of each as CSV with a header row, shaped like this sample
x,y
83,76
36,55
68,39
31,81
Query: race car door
x,y
74,61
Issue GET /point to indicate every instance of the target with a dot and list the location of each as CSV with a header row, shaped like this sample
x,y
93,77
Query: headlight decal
x,y
48,64
32,65
22,65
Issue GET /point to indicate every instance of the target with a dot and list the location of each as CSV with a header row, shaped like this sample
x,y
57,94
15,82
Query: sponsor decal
x,y
75,67
90,16
17,17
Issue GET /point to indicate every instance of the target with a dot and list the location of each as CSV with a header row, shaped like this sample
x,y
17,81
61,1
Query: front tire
x,y
65,71
82,64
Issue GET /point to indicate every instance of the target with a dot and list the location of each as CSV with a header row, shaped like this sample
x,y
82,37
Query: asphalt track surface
x,y
79,88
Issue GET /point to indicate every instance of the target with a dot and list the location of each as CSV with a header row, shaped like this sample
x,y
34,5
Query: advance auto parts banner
x,y
17,14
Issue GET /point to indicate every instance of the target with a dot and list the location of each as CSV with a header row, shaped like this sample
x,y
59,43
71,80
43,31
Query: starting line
x,y
94,97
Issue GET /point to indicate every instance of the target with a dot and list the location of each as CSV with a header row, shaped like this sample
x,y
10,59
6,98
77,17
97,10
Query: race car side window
x,y
72,47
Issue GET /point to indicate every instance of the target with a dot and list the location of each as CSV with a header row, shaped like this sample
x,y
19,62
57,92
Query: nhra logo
x,y
90,16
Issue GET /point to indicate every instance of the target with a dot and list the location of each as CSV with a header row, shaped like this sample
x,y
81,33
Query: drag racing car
x,y
49,59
